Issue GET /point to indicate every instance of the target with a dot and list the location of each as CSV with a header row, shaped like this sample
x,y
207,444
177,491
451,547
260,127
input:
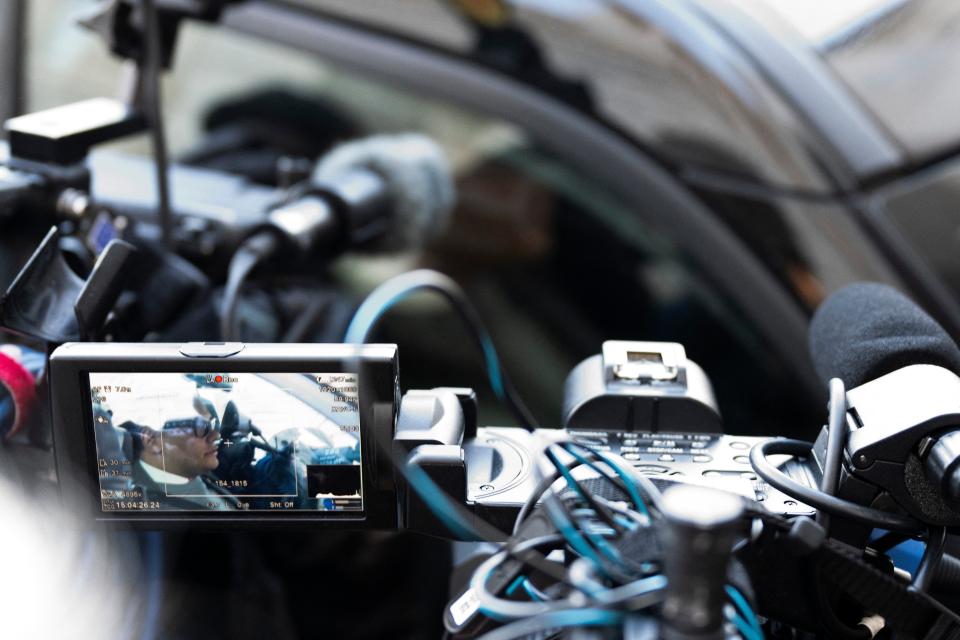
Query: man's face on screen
x,y
187,454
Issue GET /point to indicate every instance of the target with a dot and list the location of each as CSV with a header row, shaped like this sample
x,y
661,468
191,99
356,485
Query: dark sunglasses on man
x,y
200,427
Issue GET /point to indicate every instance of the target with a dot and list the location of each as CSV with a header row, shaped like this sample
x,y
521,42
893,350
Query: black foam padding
x,y
927,496
867,330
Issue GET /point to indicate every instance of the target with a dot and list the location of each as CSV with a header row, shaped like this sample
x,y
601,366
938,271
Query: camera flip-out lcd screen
x,y
227,441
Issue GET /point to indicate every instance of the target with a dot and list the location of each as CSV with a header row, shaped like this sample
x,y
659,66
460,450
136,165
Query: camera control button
x,y
650,469
210,349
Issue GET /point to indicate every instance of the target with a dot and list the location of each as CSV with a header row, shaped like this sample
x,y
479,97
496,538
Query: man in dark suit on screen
x,y
172,465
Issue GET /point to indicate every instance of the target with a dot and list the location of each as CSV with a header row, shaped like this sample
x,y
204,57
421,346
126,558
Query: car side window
x,y
556,262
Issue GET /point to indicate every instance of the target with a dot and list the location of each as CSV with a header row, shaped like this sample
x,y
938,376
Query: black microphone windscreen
x,y
867,330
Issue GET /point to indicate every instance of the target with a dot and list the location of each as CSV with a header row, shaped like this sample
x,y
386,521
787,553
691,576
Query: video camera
x,y
639,513
630,491
329,442
328,421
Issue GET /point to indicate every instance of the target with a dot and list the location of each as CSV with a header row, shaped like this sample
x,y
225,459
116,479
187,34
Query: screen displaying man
x,y
209,442
175,461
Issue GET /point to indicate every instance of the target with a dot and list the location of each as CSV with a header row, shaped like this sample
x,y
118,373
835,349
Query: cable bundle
x,y
610,578
604,524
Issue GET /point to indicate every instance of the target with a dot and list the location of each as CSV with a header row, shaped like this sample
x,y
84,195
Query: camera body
x,y
311,434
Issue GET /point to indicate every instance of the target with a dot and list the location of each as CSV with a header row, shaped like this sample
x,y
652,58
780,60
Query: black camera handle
x,y
50,302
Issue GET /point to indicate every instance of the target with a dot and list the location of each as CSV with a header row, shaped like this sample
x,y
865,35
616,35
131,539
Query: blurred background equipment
x,y
699,172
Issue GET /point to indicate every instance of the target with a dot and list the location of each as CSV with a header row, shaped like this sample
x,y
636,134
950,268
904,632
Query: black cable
x,y
251,253
531,502
888,541
602,511
545,483
362,326
815,497
551,499
480,528
554,500
927,569
542,487
520,550
652,493
511,547
836,439
151,89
